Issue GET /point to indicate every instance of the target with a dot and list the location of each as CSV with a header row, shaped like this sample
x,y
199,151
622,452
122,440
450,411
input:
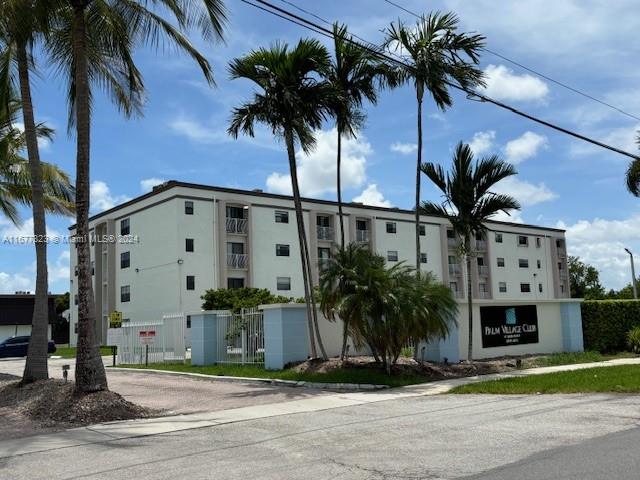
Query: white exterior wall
x,y
7,331
159,221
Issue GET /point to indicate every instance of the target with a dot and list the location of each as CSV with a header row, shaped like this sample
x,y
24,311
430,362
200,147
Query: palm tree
x,y
436,54
356,74
92,44
633,174
468,203
21,25
293,102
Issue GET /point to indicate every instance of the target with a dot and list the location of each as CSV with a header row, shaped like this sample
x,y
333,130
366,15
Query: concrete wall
x,y
7,331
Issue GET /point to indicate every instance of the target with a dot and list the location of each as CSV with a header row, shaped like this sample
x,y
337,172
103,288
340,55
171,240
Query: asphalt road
x,y
587,437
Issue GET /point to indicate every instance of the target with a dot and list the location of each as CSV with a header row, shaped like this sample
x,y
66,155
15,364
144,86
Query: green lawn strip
x,y
570,358
341,375
618,379
70,352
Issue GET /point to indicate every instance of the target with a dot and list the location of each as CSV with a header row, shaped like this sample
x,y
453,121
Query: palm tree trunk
x,y
467,247
345,336
339,187
420,91
36,365
301,237
90,373
314,309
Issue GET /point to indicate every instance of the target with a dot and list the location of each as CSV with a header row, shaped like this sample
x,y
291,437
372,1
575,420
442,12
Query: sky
x,y
561,182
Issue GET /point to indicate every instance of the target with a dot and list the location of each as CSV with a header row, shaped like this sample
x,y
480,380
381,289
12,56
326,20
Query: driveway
x,y
559,437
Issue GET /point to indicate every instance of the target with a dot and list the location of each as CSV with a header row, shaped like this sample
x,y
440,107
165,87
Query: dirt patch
x,y
430,370
51,405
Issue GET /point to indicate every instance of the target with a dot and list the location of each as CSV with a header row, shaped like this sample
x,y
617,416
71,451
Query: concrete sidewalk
x,y
154,426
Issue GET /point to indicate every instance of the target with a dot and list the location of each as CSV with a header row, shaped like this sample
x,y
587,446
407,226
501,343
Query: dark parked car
x,y
18,346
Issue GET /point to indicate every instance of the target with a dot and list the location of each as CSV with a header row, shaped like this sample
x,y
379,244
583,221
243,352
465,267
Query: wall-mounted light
x,y
180,261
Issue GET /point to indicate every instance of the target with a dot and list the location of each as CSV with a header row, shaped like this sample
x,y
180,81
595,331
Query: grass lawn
x,y
569,358
618,379
341,375
65,351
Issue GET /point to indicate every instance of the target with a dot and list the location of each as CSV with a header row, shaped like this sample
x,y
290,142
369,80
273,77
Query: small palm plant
x,y
468,202
633,174
293,101
436,56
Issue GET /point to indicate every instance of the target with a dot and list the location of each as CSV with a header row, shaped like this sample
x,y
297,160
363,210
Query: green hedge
x,y
605,323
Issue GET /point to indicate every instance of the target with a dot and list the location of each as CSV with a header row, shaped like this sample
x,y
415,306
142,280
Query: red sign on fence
x,y
147,337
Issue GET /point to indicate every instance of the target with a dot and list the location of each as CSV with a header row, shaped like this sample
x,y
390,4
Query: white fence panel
x,y
169,342
174,337
240,337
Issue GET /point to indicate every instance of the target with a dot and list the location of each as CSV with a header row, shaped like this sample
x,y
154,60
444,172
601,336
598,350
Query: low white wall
x,y
7,331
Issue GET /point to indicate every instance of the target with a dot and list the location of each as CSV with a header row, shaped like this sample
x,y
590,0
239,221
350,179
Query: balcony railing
x,y
237,225
457,293
563,274
237,260
454,269
325,233
483,270
481,245
484,295
453,242
362,235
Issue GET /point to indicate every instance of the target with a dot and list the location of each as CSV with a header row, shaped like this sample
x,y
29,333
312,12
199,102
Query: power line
x,y
301,21
529,69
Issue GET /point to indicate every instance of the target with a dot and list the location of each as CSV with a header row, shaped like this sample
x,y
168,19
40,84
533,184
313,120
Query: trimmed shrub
x,y
633,340
605,323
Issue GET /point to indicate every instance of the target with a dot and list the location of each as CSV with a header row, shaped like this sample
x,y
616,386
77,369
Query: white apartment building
x,y
181,239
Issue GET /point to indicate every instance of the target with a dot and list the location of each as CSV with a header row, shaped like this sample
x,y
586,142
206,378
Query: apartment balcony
x,y
323,263
237,225
484,295
453,242
455,269
362,236
563,274
237,260
325,233
481,245
457,293
483,270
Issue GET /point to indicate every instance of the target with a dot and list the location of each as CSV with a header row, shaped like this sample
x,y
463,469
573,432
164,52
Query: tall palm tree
x,y
92,45
356,74
633,174
436,56
468,203
293,101
21,24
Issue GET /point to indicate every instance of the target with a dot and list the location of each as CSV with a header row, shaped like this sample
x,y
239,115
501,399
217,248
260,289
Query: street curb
x,y
352,387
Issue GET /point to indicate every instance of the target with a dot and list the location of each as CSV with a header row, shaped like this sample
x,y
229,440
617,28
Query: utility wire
x,y
301,21
524,67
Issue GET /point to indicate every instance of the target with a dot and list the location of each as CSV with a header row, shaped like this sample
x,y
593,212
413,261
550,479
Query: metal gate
x,y
240,337
168,343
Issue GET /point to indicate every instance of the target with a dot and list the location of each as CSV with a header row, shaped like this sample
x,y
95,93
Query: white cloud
x,y
44,144
513,217
147,184
11,283
601,243
23,232
101,197
526,193
197,132
317,170
404,148
623,138
372,196
59,270
24,280
482,142
504,84
524,147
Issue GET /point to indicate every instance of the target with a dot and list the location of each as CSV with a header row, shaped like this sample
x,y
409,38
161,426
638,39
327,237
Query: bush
x,y
605,323
235,299
633,339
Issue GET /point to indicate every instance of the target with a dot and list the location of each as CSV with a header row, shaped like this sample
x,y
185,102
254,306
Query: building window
x,y
125,293
188,207
423,230
75,271
498,238
191,282
559,244
282,250
125,226
391,227
125,259
523,263
324,255
451,234
392,255
235,283
189,245
540,287
523,241
93,267
525,287
561,288
236,212
500,261
235,248
453,286
482,289
423,257
538,242
282,217
188,321
75,300
283,283
322,221
480,261
539,263
502,287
